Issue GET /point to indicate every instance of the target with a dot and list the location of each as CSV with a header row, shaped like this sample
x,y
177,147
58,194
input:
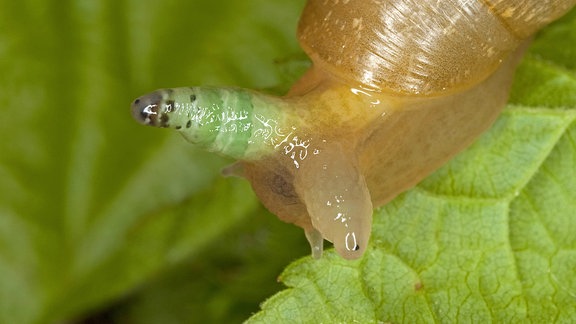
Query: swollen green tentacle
x,y
233,122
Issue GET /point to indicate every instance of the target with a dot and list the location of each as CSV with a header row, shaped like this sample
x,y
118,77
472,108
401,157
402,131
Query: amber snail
x,y
397,88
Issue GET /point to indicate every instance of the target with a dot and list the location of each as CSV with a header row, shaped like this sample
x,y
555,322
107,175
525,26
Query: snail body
x,y
396,89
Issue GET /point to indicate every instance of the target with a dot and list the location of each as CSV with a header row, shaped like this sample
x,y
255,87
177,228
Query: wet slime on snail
x,y
396,89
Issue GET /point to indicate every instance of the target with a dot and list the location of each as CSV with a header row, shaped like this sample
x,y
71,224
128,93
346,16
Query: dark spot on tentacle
x,y
170,105
356,248
192,98
189,124
164,120
178,127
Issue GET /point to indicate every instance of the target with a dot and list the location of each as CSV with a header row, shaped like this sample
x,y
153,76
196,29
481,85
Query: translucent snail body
x,y
396,89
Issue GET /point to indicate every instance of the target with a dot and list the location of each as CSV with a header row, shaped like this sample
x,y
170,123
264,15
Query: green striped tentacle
x,y
233,122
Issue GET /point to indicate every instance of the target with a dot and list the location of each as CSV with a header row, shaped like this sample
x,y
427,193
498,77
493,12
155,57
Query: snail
x,y
397,88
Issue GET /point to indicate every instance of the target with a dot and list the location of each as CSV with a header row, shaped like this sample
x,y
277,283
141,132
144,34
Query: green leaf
x,y
487,238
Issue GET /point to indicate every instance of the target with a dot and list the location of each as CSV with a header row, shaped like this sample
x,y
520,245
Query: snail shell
x,y
396,89
419,47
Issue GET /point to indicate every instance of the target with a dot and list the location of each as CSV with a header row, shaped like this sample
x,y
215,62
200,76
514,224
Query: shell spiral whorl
x,y
419,47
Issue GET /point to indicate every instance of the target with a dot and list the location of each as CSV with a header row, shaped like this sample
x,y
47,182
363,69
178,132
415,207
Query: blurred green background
x,y
103,220
97,211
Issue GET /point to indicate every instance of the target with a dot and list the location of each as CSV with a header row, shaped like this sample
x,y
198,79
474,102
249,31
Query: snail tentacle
x,y
236,123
